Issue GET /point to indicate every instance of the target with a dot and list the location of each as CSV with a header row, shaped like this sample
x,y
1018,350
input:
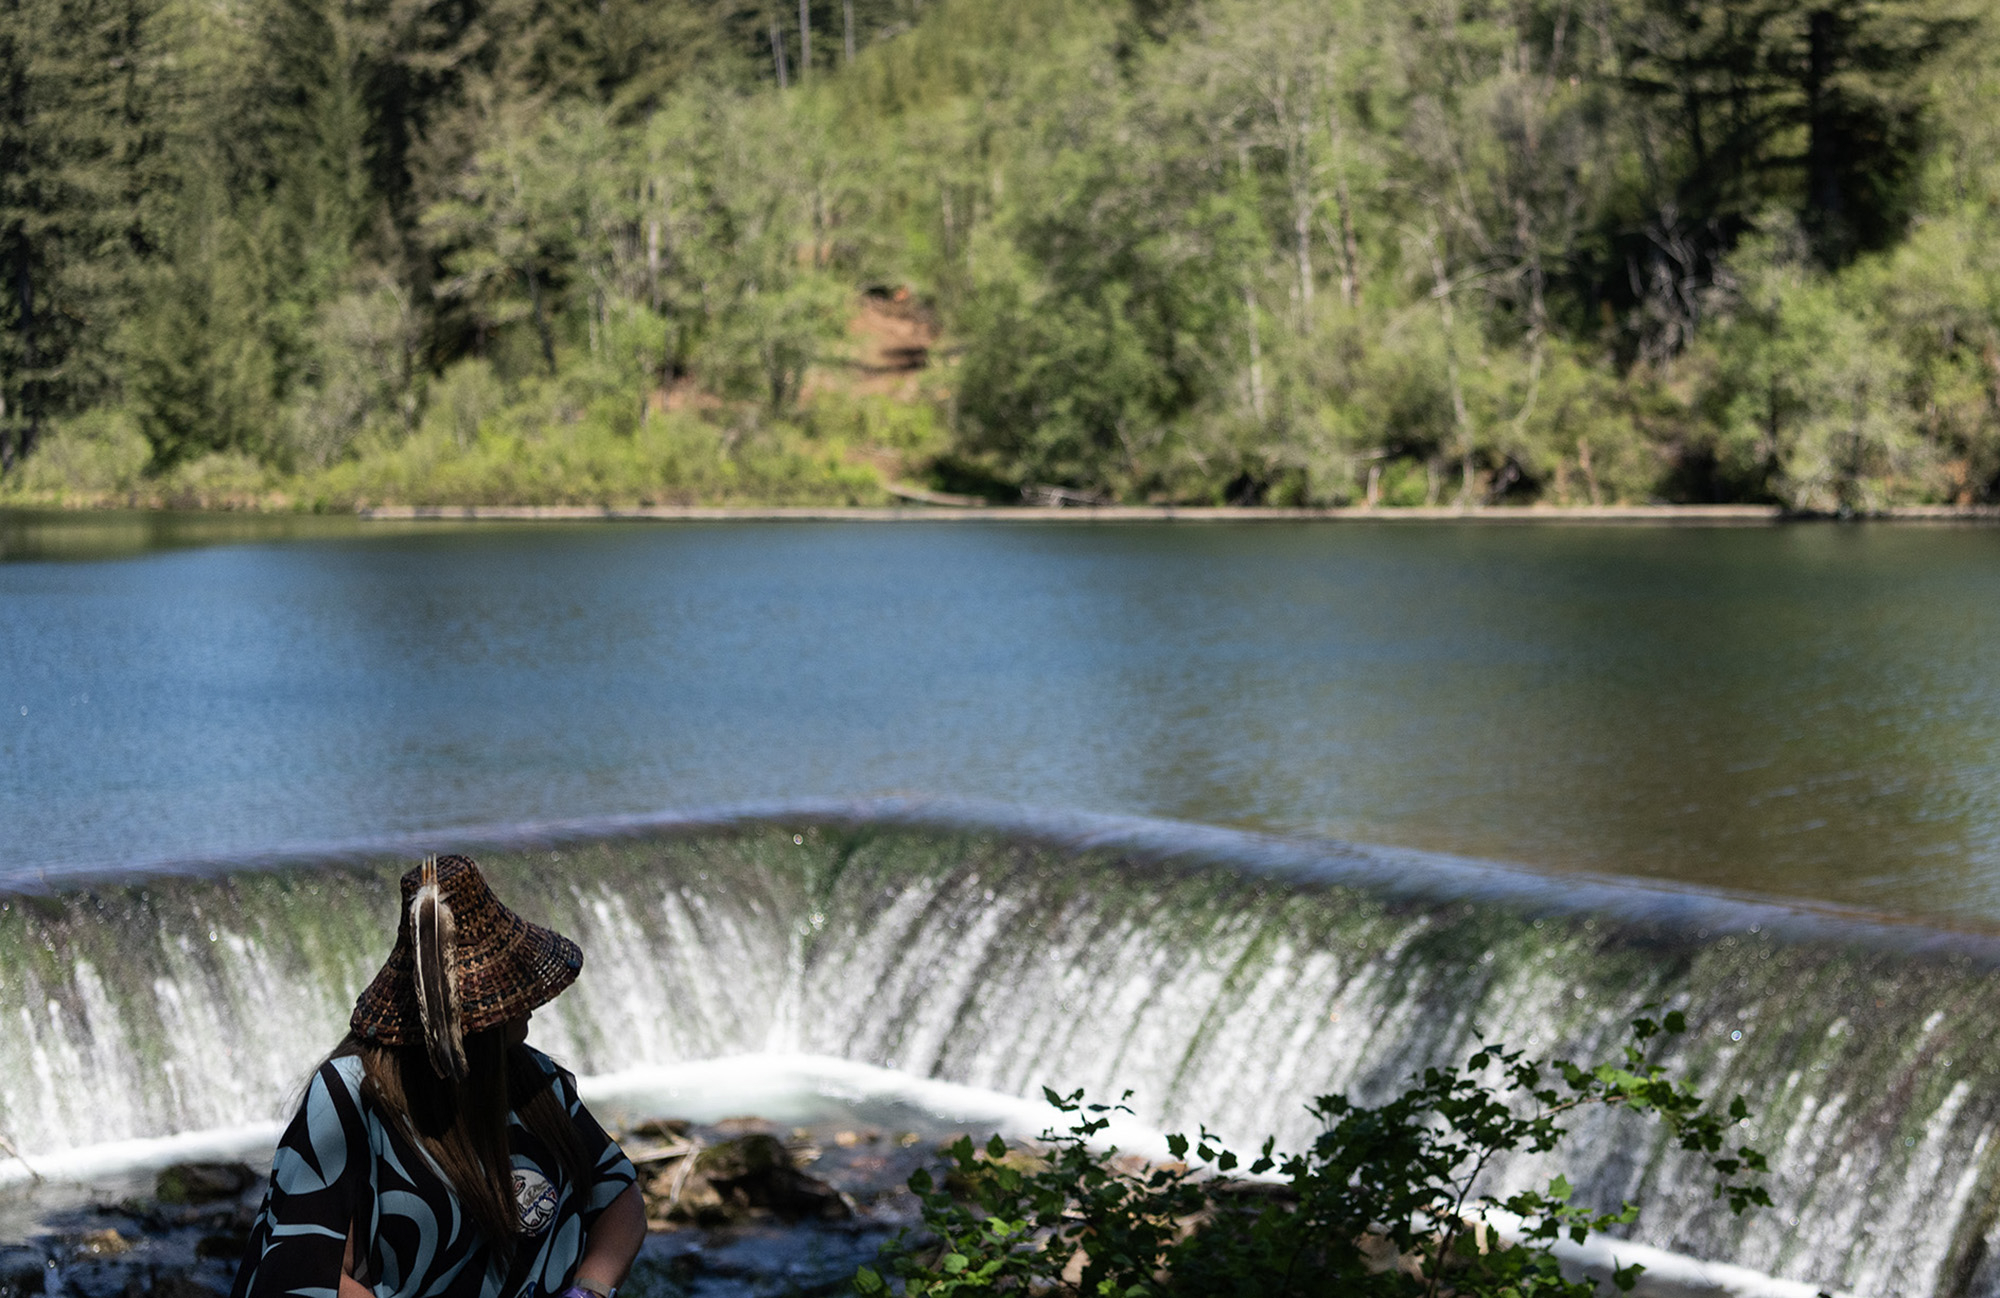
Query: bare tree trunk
x,y
1303,202
1824,214
1538,314
1460,415
1350,258
1256,351
1302,228
847,27
653,263
542,331
1350,276
15,445
805,41
778,52
820,250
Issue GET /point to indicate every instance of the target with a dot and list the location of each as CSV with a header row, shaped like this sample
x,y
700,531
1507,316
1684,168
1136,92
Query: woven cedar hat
x,y
462,963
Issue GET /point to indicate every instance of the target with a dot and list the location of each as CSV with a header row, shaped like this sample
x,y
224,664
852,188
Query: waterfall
x,y
1221,977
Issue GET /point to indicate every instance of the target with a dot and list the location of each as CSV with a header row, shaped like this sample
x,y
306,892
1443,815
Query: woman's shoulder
x,y
336,1079
541,1070
535,1071
348,1070
332,1105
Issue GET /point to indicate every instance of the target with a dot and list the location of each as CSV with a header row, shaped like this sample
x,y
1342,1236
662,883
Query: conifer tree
x,y
79,128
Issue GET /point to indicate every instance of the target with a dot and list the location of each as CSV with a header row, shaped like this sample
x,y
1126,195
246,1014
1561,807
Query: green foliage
x,y
86,459
566,442
80,115
355,376
915,429
1809,396
1388,1200
199,360
1278,251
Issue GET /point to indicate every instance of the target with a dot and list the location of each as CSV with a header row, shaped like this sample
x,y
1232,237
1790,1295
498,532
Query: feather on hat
x,y
462,963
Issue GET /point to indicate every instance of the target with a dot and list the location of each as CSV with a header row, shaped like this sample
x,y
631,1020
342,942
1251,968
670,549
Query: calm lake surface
x,y
1809,712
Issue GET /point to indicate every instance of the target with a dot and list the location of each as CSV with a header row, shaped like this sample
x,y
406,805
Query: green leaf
x,y
1389,1163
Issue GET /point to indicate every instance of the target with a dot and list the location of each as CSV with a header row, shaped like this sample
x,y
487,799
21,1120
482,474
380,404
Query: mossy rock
x,y
203,1182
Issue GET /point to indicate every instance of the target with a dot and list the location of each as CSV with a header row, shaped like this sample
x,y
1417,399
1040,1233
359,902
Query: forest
x,y
320,254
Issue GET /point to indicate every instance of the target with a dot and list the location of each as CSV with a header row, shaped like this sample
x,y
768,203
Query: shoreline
x,y
1666,515
952,511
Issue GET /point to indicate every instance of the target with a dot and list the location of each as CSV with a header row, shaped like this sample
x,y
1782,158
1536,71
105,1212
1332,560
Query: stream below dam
x,y
1223,977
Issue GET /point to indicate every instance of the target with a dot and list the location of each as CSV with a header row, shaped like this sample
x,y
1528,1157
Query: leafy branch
x,y
1386,1201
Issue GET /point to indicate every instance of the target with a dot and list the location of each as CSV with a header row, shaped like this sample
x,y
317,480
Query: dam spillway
x,y
1221,977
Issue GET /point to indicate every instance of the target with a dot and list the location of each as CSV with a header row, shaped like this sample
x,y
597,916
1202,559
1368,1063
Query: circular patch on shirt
x,y
536,1199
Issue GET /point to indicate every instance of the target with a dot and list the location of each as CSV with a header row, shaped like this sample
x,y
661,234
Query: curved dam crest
x,y
1222,977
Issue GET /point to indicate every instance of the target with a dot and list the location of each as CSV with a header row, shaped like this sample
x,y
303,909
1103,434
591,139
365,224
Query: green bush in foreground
x,y
1382,1203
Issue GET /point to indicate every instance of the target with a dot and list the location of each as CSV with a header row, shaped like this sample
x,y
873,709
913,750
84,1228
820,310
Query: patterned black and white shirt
x,y
341,1162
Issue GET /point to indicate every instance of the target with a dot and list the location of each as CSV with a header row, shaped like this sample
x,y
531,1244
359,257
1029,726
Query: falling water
x,y
1220,977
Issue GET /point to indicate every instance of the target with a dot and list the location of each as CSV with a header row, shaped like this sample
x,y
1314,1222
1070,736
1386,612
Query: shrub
x,y
1383,1203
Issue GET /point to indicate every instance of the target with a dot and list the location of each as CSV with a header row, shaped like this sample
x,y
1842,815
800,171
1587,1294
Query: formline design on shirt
x,y
341,1161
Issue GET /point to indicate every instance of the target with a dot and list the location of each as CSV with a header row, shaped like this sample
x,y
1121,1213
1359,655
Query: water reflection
x,y
1802,712
115,534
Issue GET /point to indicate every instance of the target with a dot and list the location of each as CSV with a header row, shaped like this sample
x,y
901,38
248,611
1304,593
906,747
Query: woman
x,y
436,1154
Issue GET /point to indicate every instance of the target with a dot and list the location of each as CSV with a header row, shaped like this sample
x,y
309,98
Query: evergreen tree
x,y
200,361
1814,107
80,116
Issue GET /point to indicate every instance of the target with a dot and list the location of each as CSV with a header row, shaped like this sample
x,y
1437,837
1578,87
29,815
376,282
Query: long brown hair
x,y
463,1125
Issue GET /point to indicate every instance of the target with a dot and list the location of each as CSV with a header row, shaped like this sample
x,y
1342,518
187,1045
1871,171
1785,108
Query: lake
x,y
1805,712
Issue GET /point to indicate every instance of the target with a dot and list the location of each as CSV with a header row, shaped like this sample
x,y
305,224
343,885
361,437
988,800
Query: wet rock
x,y
151,1217
652,1145
103,1243
661,1129
740,1178
746,1126
757,1172
203,1182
